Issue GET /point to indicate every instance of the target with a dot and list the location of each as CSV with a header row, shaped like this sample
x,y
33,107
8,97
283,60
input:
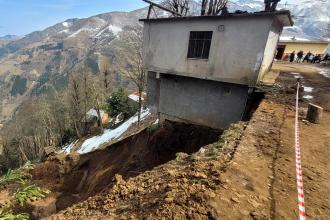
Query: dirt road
x,y
261,182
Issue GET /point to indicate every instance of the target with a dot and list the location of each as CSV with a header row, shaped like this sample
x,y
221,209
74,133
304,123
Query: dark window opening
x,y
199,44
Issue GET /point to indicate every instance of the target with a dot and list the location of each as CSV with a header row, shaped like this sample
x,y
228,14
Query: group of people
x,y
301,57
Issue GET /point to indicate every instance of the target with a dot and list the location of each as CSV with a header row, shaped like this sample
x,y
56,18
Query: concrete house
x,y
202,69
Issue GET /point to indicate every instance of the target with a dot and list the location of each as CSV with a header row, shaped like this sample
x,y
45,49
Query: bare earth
x,y
248,174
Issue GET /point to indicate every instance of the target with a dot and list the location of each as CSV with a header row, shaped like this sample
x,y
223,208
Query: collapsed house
x,y
203,69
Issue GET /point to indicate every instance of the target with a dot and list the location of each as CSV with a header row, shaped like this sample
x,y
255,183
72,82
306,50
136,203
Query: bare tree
x,y
179,6
76,102
213,7
131,63
106,73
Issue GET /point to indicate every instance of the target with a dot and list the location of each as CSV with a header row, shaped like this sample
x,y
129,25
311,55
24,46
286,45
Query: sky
x,y
20,17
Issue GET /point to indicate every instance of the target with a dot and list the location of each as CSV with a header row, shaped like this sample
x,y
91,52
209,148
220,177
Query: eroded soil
x,y
247,174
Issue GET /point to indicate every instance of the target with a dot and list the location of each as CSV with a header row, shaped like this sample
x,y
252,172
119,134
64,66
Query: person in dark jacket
x,y
326,57
300,55
292,55
307,57
270,5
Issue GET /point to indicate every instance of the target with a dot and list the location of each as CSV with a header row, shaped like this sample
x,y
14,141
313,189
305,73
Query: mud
x,y
130,157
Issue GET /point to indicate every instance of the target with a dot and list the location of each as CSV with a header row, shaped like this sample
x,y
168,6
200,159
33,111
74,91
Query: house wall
x,y
210,103
315,48
270,49
236,53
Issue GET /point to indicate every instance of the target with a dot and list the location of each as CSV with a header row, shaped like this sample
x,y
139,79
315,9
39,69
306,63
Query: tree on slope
x,y
130,62
213,7
179,6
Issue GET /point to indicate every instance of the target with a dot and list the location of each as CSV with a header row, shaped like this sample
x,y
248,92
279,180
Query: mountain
x,y
43,60
311,17
10,37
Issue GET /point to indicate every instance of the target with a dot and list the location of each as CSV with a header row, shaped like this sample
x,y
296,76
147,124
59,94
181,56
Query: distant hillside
x,y
43,60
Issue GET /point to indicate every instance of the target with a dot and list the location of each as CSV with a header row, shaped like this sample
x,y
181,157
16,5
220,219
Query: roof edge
x,y
230,15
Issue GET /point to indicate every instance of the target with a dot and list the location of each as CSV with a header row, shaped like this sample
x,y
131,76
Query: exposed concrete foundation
x,y
204,102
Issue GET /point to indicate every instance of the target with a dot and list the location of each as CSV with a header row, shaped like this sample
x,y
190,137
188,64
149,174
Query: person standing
x,y
300,55
307,56
292,56
270,5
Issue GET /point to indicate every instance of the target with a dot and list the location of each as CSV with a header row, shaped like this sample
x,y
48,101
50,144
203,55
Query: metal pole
x,y
162,7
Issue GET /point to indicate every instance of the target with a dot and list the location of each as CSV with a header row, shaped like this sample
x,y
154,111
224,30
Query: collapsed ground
x,y
249,173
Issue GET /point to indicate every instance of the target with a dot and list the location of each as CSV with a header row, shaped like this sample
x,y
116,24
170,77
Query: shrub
x,y
120,103
31,192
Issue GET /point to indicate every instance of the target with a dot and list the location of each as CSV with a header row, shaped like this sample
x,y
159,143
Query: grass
x,y
23,190
11,216
21,175
30,193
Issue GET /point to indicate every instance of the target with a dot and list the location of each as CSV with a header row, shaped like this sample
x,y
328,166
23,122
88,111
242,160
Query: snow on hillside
x,y
311,17
93,143
66,24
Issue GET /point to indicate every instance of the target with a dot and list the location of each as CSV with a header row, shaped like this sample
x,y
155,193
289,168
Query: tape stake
x,y
300,185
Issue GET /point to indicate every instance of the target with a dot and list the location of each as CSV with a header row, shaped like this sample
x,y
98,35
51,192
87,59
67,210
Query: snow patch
x,y
308,97
156,122
65,31
115,29
308,89
66,24
325,73
67,148
95,142
296,75
135,97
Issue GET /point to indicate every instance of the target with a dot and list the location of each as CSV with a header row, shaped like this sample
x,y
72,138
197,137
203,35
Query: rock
x,y
210,194
234,199
254,203
171,172
50,151
118,178
200,175
169,199
310,177
255,215
244,212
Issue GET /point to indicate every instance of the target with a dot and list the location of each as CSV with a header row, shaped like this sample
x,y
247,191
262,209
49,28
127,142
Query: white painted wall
x,y
270,49
236,54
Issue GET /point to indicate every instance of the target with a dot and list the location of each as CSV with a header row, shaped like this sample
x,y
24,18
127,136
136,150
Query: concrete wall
x,y
315,48
204,102
236,53
270,49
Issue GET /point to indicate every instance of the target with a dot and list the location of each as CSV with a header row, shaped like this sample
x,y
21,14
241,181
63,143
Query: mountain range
x,y
43,60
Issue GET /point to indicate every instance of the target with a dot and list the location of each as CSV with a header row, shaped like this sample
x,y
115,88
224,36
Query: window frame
x,y
195,39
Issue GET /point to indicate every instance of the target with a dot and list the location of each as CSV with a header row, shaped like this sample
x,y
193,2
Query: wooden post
x,y
314,113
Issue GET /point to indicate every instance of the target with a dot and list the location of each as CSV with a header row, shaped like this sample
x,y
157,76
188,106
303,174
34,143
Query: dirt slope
x,y
247,174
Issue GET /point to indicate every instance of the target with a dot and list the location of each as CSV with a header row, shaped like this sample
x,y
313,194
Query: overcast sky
x,y
20,17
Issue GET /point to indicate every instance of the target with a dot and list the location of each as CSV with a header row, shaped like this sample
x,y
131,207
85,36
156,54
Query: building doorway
x,y
280,52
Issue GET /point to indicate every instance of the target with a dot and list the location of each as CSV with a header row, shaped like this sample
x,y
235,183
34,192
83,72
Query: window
x,y
199,44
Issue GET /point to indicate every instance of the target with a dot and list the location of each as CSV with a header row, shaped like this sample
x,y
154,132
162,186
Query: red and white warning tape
x,y
300,186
